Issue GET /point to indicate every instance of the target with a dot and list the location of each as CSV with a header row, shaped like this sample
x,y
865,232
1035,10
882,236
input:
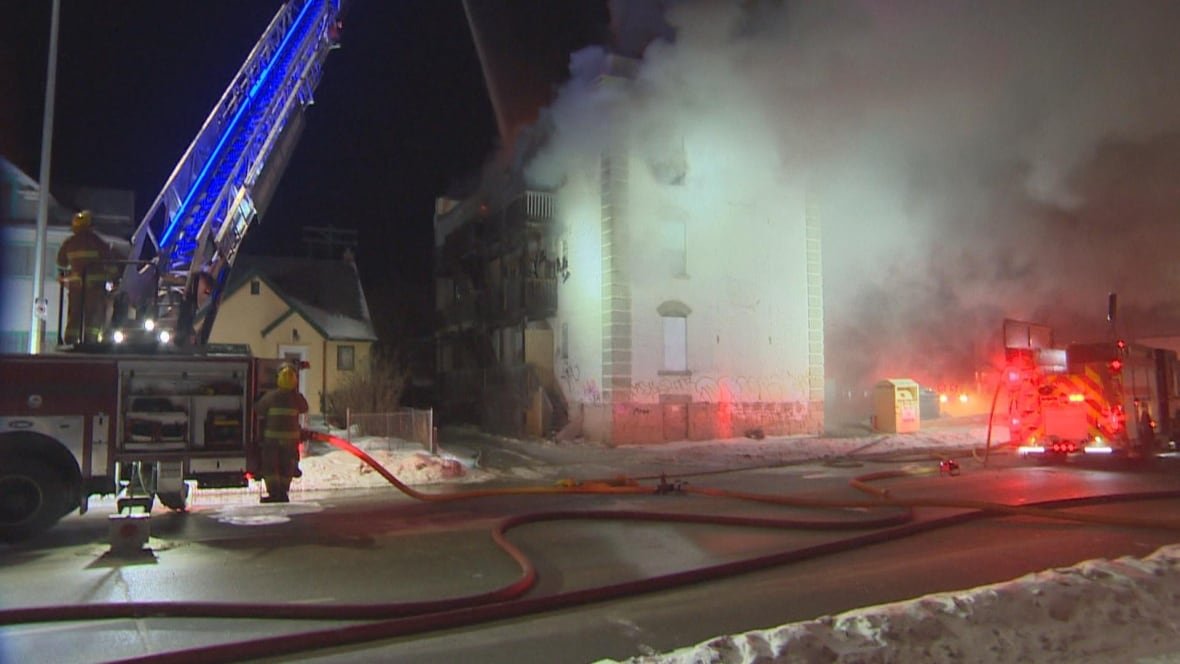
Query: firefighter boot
x,y
276,490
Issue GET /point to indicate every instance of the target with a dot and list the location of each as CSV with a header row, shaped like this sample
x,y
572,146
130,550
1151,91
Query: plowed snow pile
x,y
337,469
342,470
1095,612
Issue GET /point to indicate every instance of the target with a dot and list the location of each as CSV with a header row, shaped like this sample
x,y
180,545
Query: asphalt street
x,y
380,547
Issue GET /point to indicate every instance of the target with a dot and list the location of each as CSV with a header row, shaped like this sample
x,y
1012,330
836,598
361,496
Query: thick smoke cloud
x,y
972,161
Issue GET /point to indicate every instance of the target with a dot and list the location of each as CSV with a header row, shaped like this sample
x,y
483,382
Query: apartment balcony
x,y
460,247
532,298
533,207
530,214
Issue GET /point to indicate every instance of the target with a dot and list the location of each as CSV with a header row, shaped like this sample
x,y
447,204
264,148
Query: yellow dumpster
x,y
896,406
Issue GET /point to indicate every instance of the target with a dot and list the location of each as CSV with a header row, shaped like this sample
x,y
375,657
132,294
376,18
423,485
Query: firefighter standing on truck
x,y
279,450
84,261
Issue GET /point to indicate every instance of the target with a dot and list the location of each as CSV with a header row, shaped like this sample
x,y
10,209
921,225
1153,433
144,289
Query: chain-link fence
x,y
411,425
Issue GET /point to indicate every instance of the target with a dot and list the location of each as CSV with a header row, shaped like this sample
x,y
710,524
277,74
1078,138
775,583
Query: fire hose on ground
x,y
388,620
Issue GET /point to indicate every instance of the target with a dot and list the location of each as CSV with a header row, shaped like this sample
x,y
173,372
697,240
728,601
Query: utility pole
x,y
40,304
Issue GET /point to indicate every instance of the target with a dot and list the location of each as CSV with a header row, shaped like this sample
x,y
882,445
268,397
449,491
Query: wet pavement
x,y
378,546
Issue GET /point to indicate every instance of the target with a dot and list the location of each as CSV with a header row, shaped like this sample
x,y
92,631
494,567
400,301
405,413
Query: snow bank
x,y
341,470
1096,611
326,467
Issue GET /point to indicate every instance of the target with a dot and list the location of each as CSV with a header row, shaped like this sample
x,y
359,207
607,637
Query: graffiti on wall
x,y
577,389
570,375
653,423
591,391
708,388
724,389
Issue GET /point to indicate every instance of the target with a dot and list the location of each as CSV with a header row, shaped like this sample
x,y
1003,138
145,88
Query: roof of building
x,y
28,190
327,293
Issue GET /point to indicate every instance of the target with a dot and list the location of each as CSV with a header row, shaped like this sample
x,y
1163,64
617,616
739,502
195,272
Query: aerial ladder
x,y
183,249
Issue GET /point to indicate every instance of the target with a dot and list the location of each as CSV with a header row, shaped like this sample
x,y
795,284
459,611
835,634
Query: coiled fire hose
x,y
400,619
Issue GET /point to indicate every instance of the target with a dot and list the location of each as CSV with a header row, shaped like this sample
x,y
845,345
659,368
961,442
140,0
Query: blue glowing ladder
x,y
190,236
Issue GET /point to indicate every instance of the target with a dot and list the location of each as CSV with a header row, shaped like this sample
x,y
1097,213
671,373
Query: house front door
x,y
296,355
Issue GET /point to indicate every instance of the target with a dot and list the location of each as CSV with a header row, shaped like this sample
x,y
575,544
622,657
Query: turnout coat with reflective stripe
x,y
81,249
281,409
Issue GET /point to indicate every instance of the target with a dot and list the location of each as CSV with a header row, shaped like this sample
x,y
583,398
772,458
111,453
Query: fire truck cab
x,y
137,426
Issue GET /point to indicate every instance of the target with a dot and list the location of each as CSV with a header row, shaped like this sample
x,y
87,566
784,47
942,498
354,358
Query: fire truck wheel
x,y
32,498
175,500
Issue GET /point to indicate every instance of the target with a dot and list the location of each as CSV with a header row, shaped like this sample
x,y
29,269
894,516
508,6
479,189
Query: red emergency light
x,y
1115,366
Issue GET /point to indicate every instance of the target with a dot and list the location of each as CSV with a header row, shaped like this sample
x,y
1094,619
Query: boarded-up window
x,y
675,343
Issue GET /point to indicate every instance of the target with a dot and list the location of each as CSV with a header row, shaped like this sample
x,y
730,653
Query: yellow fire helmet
x,y
81,221
287,378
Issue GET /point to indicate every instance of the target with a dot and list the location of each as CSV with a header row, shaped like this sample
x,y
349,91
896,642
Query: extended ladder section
x,y
183,249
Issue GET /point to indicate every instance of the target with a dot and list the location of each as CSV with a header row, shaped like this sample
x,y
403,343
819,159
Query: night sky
x,y
974,161
401,115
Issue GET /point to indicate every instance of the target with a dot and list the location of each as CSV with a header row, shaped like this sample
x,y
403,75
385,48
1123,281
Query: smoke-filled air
x,y
971,161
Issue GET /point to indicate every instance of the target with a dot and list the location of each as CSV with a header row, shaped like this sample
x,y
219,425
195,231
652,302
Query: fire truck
x,y
1107,397
150,408
140,426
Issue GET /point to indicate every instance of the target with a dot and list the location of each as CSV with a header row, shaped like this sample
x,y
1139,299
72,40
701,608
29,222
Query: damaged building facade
x,y
650,296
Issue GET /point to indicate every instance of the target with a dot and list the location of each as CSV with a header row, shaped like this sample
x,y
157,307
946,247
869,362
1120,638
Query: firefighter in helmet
x,y
279,450
85,267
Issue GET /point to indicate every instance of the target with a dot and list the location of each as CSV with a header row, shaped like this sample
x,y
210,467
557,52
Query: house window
x,y
51,268
675,321
255,287
16,260
345,358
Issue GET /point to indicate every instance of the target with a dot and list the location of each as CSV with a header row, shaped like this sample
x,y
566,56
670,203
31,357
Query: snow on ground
x,y
340,470
736,452
327,468
1095,612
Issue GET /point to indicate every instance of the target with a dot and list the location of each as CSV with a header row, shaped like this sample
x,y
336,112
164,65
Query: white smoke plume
x,y
972,161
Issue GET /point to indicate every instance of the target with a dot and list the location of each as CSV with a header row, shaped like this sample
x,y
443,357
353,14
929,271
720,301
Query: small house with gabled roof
x,y
302,309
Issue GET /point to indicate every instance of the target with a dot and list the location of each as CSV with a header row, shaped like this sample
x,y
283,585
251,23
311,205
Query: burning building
x,y
970,162
660,280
